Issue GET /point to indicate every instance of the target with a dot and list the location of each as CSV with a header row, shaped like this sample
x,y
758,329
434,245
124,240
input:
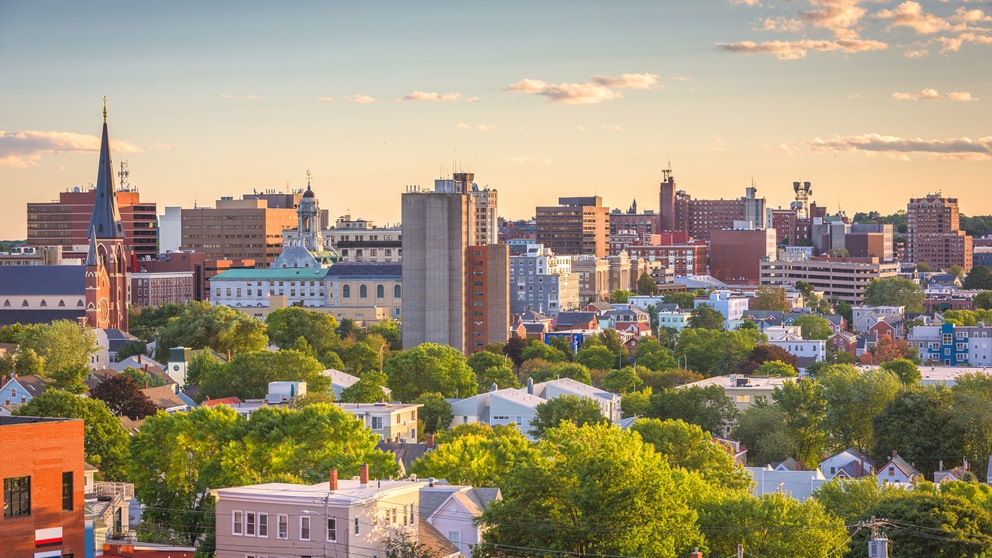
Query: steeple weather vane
x,y
104,109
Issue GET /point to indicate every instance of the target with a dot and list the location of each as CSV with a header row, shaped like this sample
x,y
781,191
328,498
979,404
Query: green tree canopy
x,y
564,498
104,438
688,446
853,399
142,378
804,407
537,349
368,388
622,381
123,397
435,413
620,296
980,278
597,358
895,291
565,408
203,326
430,367
65,348
389,330
686,300
905,369
776,368
248,374
849,499
712,352
770,298
972,407
982,300
920,425
762,353
706,317
761,429
651,354
144,323
646,285
813,327
709,408
476,455
483,360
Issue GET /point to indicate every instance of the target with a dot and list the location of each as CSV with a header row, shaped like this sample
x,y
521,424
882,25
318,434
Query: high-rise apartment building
x,y
934,236
442,251
66,222
237,230
486,204
542,281
678,212
578,225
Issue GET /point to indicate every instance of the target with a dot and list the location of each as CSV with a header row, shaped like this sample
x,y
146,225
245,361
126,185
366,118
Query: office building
x,y
639,226
577,226
736,254
41,464
237,230
593,275
358,240
683,258
489,301
933,234
838,278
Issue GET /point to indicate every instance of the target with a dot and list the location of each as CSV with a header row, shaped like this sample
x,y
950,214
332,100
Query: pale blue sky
x,y
218,98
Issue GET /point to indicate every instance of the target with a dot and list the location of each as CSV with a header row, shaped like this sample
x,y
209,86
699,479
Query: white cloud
x,y
472,100
326,99
855,96
596,90
363,99
916,53
431,97
793,50
782,24
910,14
837,16
464,126
971,16
24,149
953,148
479,127
930,94
953,44
682,78
746,2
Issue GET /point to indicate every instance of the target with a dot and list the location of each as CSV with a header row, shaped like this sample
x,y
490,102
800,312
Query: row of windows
x,y
17,495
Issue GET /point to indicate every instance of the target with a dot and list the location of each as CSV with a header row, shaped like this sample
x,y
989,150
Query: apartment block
x,y
736,254
237,230
392,422
953,345
578,225
156,289
679,212
542,281
934,236
838,278
488,302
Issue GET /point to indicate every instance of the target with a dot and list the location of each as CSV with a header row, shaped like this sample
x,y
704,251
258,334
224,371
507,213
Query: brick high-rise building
x,y
934,236
678,212
488,308
578,225
66,222
41,464
237,230
736,254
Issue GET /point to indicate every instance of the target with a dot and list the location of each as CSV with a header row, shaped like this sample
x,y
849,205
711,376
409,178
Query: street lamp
x,y
324,516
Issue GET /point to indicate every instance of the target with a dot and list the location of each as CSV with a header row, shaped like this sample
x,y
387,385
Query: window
x,y
332,529
396,291
237,523
948,338
67,491
263,525
305,528
380,291
283,527
250,524
455,537
376,423
346,291
17,496
363,292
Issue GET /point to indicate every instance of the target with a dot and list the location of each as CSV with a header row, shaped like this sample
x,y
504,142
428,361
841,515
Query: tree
x,y
435,413
923,267
814,327
622,381
651,354
476,455
895,291
905,369
853,399
21,362
65,348
368,354
562,499
709,408
145,323
536,349
843,309
646,285
770,298
402,545
514,349
502,375
430,367
597,357
980,278
620,296
804,407
957,521
247,376
685,300
706,317
688,446
204,326
483,360
348,329
123,397
563,345
920,425
368,388
763,353
202,364
666,379
955,270
714,352
776,368
636,404
141,378
389,330
773,525
972,407
761,429
104,438
565,408
849,499
887,349
130,349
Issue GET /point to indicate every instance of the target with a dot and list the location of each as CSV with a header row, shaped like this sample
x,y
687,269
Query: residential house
x,y
790,338
844,342
744,391
168,400
395,422
405,453
848,464
887,327
21,389
609,403
598,307
863,317
732,307
953,345
897,471
765,318
453,510
341,381
107,509
959,473
798,484
675,319
108,342
567,321
628,318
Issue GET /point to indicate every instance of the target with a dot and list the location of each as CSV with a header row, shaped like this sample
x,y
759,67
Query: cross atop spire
x,y
106,219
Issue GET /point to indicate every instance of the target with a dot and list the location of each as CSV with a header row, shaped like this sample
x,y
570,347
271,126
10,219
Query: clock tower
x,y
107,277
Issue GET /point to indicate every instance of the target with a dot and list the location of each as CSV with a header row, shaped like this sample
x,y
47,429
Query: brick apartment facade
x,y
41,464
933,233
578,225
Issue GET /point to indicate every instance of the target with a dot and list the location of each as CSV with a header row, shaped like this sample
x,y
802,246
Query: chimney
x,y
430,481
494,388
696,553
941,465
894,454
332,484
146,368
229,355
530,386
430,441
363,475
139,358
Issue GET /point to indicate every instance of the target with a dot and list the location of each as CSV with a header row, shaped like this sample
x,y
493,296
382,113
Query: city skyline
x,y
872,102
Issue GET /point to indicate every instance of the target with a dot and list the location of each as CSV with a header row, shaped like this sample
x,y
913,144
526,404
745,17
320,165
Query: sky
x,y
872,101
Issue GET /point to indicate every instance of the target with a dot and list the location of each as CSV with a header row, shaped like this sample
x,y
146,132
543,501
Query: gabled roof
x,y
902,465
535,327
132,362
530,315
54,280
163,397
34,385
665,307
340,378
405,454
569,318
600,306
434,541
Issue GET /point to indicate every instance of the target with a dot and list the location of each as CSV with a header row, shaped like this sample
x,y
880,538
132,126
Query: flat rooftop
x,y
12,421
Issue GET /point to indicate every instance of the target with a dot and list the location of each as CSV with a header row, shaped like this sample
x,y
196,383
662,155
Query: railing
x,y
112,489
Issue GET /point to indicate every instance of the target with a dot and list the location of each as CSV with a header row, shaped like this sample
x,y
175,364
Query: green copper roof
x,y
277,274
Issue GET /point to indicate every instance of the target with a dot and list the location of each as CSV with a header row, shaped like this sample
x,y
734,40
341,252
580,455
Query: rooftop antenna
x,y
122,175
104,109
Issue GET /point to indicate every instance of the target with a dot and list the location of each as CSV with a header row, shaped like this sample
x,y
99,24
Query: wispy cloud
x,y
431,97
953,44
596,90
840,17
24,149
682,78
934,95
953,148
363,99
781,24
479,127
326,99
612,127
794,50
911,15
916,53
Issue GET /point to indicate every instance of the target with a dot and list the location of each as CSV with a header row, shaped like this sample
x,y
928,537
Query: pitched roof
x,y
42,280
574,318
902,465
105,221
433,540
221,401
132,361
8,317
163,397
600,306
405,454
34,385
666,307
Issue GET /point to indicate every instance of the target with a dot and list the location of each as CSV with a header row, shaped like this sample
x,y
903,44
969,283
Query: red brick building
x,y
156,289
736,255
41,464
682,259
934,236
487,289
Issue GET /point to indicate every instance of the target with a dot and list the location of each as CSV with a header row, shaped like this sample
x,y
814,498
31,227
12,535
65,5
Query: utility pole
x,y
878,546
740,550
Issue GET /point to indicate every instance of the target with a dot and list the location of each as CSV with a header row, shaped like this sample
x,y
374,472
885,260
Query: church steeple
x,y
106,220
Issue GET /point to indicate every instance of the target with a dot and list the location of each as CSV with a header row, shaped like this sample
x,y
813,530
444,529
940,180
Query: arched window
x,y
61,304
346,291
363,292
380,292
396,291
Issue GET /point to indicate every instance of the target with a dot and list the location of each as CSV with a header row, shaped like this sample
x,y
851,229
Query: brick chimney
x,y
333,481
139,358
895,454
363,475
430,441
229,355
696,553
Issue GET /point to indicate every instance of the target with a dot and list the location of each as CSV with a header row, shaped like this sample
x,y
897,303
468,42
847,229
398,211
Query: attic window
x,y
79,304
6,303
61,303
44,304
24,304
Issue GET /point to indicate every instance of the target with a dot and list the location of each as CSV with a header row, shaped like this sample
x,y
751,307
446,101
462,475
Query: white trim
x,y
253,524
280,519
260,516
309,528
328,529
237,525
